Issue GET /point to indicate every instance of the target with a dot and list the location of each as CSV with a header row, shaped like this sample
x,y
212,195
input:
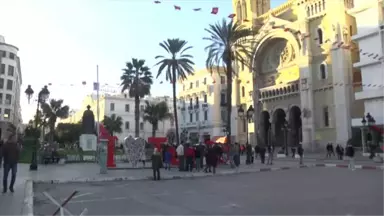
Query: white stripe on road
x,y
81,195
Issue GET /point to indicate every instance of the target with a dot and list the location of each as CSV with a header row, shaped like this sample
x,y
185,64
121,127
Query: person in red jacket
x,y
190,155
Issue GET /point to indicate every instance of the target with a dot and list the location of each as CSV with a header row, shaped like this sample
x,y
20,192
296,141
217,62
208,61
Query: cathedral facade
x,y
303,82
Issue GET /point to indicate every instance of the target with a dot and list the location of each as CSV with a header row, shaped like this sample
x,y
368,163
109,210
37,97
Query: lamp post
x,y
41,97
363,137
246,117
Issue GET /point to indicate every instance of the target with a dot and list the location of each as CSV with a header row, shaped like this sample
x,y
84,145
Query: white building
x,y
369,16
202,107
10,82
123,106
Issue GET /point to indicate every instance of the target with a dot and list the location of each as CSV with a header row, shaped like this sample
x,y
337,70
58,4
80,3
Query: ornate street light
x,y
250,112
42,96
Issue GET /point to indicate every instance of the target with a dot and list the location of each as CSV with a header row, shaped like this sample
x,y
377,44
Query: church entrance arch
x,y
295,126
264,128
278,122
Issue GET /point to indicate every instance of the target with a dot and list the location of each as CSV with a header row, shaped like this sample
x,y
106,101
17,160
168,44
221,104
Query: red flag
x,y
215,10
231,16
177,7
157,2
197,9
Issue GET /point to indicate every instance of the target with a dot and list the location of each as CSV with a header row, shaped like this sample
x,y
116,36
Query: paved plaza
x,y
307,191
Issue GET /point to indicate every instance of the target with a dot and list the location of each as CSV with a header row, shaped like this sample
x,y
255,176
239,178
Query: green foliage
x,y
137,78
176,66
113,124
53,110
155,112
26,153
68,132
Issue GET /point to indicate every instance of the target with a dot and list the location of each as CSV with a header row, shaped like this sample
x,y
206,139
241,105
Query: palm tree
x,y
137,79
113,124
53,110
176,67
229,42
155,112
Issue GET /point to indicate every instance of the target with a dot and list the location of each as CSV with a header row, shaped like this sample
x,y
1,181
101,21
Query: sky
x,y
61,41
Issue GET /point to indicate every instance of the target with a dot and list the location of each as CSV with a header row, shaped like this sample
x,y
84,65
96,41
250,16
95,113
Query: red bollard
x,y
111,152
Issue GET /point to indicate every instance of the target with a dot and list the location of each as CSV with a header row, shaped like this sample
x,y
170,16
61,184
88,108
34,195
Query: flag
x,y
215,10
177,7
157,2
231,16
197,9
95,86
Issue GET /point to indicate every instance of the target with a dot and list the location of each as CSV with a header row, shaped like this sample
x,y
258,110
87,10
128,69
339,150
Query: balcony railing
x,y
190,108
205,105
196,106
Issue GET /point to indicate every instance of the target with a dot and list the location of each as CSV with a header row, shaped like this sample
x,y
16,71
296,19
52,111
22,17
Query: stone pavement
x,y
11,204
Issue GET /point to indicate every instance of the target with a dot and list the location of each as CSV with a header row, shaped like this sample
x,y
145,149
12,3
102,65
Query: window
x,y
9,85
243,91
323,73
320,36
222,79
197,100
326,116
12,55
197,116
205,81
205,115
127,125
4,54
190,117
126,107
11,70
197,83
350,30
191,85
7,113
205,98
8,99
1,83
1,98
2,69
190,102
112,106
222,98
141,125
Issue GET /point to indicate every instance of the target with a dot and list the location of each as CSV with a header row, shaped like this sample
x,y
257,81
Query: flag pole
x,y
98,101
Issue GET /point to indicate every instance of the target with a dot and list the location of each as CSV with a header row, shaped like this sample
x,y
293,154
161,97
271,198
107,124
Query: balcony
x,y
196,106
205,105
182,108
190,107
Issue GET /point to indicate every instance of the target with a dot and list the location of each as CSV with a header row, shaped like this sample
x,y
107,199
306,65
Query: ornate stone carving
x,y
277,55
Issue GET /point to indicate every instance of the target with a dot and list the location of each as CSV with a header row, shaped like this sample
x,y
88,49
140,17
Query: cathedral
x,y
301,78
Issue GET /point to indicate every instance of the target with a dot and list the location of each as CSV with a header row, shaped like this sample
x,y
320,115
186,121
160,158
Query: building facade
x,y
202,109
10,83
369,16
301,73
123,106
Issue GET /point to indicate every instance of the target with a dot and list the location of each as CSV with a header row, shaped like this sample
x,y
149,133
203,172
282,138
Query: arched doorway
x,y
295,126
264,128
278,127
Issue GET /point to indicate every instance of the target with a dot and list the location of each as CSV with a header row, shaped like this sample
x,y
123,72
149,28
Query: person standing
x,y
180,155
262,154
257,151
212,159
270,150
11,153
300,152
198,157
1,152
249,154
236,155
190,155
156,164
350,153
167,157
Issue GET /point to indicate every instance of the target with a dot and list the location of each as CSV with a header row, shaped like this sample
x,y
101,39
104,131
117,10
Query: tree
x,y
176,67
137,79
53,110
156,112
229,42
113,124
68,132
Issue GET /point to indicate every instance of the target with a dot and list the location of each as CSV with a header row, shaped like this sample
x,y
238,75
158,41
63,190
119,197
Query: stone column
x,y
306,91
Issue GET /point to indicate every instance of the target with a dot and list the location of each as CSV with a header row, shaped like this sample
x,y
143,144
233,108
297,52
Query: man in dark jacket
x,y
156,164
350,152
11,152
300,152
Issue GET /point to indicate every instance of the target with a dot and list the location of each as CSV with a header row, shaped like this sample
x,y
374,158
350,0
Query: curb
x,y
27,209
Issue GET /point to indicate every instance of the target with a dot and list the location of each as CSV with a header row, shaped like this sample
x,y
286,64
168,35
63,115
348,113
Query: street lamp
x,y
364,139
245,117
42,96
